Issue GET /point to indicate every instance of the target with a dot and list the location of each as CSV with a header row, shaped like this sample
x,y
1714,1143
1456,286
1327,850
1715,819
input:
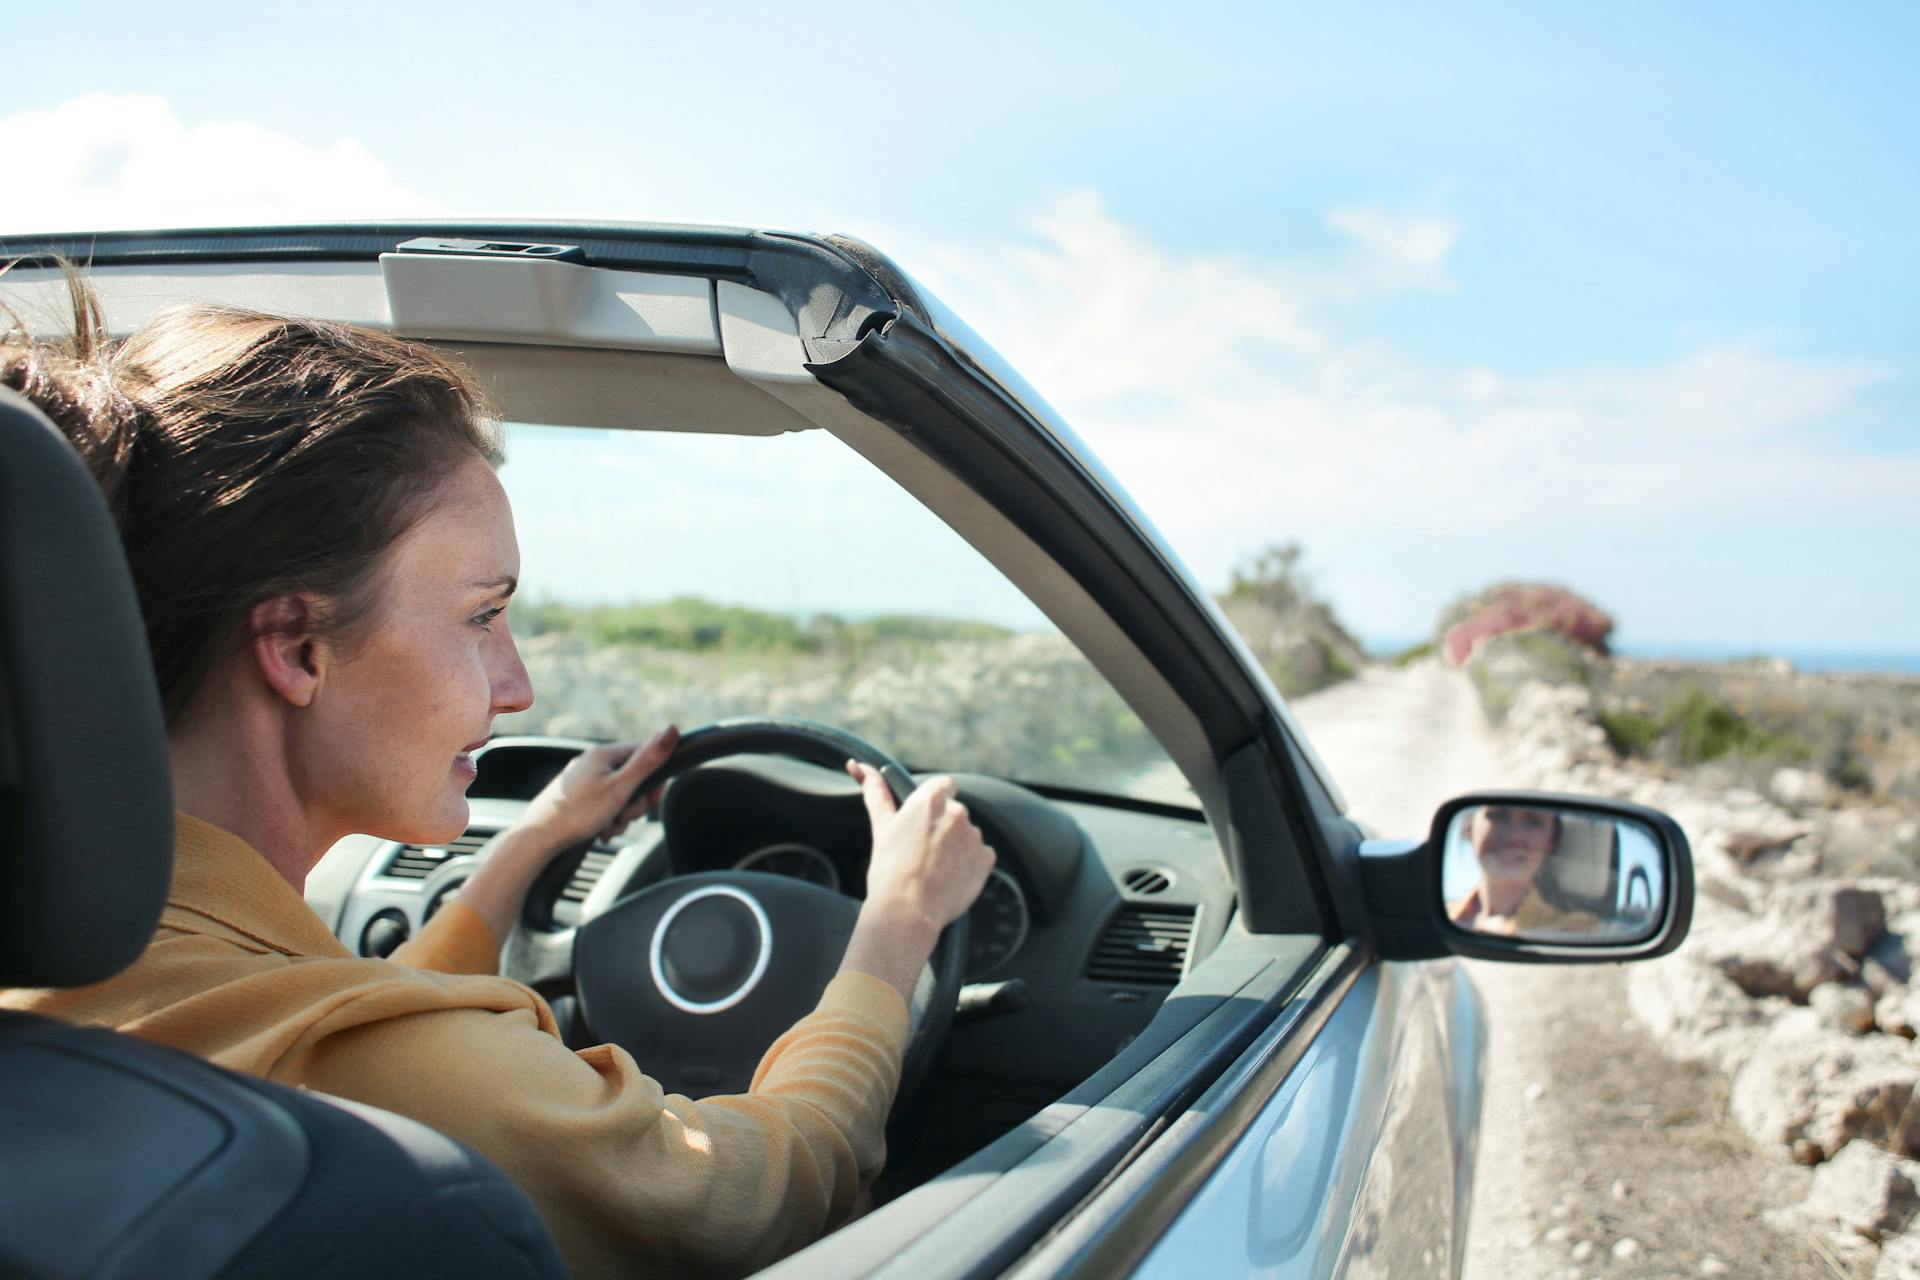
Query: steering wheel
x,y
696,975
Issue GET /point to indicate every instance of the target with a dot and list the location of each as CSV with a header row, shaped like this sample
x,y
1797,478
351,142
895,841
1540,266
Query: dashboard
x,y
1096,909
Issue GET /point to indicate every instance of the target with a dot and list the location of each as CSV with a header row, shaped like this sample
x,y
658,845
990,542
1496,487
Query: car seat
x,y
119,1157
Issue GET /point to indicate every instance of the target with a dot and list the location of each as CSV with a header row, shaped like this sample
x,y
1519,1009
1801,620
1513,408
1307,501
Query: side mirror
x,y
1533,876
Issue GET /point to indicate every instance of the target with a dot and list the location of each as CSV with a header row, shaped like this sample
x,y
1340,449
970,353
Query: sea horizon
x,y
1815,660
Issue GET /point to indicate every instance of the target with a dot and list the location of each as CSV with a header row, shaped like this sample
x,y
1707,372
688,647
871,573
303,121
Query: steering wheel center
x,y
711,949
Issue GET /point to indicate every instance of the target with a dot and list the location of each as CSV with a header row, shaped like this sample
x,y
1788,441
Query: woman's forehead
x,y
466,536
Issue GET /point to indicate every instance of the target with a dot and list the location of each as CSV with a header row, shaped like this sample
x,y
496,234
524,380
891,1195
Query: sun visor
x,y
540,301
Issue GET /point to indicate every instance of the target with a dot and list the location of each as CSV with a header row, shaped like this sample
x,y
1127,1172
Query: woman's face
x,y
387,750
1512,844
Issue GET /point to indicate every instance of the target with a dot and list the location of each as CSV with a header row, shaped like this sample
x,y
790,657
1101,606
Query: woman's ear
x,y
284,647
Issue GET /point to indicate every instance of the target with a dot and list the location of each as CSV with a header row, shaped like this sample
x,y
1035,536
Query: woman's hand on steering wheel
x,y
929,864
592,796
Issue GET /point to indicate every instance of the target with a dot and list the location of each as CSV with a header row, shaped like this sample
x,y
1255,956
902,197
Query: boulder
x,y
1800,788
1771,957
1864,1190
1812,1089
1898,1012
1891,950
1832,913
1899,1259
1844,1008
1809,935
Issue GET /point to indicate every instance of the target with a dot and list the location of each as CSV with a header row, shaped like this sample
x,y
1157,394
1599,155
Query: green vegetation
x,y
1742,721
1296,637
935,691
1502,663
1414,653
1694,728
689,624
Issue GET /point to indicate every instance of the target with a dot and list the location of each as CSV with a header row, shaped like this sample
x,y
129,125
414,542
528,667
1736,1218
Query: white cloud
x,y
106,162
1403,250
1217,394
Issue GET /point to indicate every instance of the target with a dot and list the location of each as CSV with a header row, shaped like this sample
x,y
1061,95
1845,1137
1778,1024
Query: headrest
x,y
86,807
1584,872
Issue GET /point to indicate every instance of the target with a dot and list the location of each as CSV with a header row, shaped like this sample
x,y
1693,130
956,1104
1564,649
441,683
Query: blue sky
x,y
1621,296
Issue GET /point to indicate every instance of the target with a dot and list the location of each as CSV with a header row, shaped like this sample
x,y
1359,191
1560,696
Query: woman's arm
x,y
928,866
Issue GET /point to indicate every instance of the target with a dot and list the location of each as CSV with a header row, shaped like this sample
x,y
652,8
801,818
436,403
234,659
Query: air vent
x,y
1146,881
587,874
1144,945
593,865
417,862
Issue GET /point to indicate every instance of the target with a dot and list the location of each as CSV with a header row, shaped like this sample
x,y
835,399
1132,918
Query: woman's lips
x,y
464,763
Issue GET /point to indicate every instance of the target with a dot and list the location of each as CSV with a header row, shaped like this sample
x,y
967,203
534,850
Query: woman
x,y
325,561
1511,845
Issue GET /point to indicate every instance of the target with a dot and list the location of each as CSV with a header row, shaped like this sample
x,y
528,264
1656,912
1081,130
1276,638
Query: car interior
x,y
1124,950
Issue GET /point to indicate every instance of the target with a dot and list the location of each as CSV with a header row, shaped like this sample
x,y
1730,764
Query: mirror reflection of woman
x,y
1511,845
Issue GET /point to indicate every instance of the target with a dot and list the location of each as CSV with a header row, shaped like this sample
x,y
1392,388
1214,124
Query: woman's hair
x,y
248,456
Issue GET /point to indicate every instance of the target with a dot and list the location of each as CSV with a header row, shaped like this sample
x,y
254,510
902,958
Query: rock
x,y
1695,1010
1713,1266
1560,1234
1800,788
1749,845
1533,1092
1626,1250
1809,935
1583,1251
1812,1089
1889,951
1865,1190
1877,978
1842,916
1899,1259
1721,885
1849,1009
1898,1012
1618,1190
1771,957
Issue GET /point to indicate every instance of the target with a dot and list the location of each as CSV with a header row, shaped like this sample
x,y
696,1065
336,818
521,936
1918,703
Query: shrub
x,y
1502,663
1520,606
1407,657
1694,727
1294,635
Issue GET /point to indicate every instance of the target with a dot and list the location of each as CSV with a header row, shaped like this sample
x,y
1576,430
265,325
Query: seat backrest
x,y
121,1158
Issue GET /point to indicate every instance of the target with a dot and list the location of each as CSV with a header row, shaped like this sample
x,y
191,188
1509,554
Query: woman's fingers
x,y
650,755
875,791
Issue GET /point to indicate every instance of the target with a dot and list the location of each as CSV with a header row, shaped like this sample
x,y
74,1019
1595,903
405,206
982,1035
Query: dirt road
x,y
1599,1155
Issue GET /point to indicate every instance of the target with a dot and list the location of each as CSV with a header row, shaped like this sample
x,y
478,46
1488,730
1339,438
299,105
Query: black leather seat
x,y
117,1157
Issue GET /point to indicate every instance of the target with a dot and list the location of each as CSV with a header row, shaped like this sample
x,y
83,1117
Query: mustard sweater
x,y
632,1180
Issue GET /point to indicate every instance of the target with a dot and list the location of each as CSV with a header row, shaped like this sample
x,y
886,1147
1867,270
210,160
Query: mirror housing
x,y
1407,905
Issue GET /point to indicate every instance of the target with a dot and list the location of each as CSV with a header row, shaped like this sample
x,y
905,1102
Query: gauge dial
x,y
996,924
800,861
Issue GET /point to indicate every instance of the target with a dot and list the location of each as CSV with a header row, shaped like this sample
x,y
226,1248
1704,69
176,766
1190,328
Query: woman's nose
x,y
512,686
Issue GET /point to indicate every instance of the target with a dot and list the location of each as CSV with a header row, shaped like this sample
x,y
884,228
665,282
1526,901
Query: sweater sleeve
x,y
456,940
633,1180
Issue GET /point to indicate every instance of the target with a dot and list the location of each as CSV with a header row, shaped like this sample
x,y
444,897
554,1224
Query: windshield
x,y
688,577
